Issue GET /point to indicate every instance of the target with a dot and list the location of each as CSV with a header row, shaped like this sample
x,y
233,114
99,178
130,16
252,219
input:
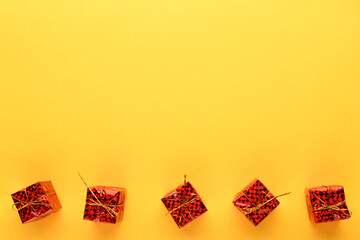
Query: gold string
x,y
258,205
184,203
107,207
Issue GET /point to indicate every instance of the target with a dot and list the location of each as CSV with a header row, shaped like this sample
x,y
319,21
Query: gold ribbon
x,y
258,205
333,207
97,202
33,201
183,203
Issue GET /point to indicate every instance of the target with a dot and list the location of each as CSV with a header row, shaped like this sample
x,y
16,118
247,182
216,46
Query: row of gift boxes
x,y
106,204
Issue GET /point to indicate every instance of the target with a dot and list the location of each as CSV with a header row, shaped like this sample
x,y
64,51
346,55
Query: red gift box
x,y
36,201
184,204
327,204
104,204
256,202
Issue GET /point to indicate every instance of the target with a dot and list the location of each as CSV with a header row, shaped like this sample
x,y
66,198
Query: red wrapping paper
x,y
327,204
36,201
253,195
104,204
184,204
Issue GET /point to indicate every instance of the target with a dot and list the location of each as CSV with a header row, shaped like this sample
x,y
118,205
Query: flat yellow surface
x,y
137,93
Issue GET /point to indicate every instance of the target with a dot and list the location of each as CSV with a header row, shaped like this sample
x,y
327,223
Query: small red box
x,y
105,204
36,201
184,204
255,201
327,204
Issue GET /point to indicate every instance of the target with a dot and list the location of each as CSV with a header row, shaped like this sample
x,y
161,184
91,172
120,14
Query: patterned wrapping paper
x,y
184,204
256,202
36,201
105,204
327,204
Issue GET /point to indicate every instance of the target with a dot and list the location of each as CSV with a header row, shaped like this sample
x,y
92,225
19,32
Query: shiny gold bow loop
x,y
32,201
108,207
257,205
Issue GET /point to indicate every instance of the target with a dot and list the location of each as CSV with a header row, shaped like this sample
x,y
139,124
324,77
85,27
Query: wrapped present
x,y
184,204
36,201
256,202
104,204
326,204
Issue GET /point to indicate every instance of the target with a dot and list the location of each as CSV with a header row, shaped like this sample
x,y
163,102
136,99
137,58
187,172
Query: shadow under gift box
x,y
184,204
256,201
36,201
327,204
104,204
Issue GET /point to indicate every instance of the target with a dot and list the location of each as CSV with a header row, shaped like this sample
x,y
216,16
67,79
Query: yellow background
x,y
136,93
